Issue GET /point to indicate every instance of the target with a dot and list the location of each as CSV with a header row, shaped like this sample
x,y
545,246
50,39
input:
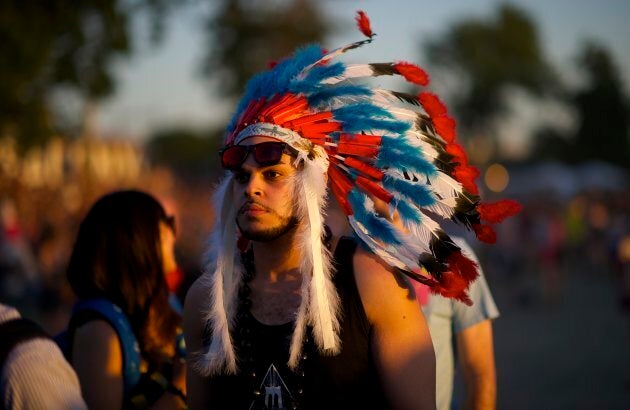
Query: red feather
x,y
432,104
445,127
371,187
363,22
364,168
485,233
412,73
458,153
452,285
465,267
498,211
466,175
341,198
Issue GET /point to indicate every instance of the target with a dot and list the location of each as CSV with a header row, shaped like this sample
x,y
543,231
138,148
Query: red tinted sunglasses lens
x,y
234,156
268,153
265,154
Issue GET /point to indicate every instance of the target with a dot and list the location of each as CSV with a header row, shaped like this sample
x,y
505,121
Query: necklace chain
x,y
248,336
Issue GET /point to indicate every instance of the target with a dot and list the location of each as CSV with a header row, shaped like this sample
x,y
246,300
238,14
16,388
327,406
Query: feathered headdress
x,y
377,145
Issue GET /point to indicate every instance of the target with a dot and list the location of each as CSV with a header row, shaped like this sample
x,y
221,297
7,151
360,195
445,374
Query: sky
x,y
161,87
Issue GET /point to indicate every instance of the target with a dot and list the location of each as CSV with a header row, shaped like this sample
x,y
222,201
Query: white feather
x,y
413,138
320,302
444,185
336,52
351,71
375,246
221,277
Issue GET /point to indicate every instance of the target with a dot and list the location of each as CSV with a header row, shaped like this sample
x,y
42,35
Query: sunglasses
x,y
265,153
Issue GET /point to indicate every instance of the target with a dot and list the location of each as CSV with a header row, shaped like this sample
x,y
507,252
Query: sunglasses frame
x,y
286,149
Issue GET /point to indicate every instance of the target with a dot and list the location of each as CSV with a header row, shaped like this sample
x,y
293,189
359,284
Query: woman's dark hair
x,y
117,255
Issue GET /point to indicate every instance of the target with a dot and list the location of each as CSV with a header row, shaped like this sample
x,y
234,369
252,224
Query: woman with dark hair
x,y
123,250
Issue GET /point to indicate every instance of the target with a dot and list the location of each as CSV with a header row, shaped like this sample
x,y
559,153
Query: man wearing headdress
x,y
288,315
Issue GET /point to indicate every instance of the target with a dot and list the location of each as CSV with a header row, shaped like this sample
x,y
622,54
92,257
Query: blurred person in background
x,y
19,277
462,338
122,254
33,372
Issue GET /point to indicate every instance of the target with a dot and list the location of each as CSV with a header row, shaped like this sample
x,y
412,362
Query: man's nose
x,y
253,187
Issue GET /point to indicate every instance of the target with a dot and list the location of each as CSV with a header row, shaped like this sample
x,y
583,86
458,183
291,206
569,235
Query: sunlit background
x,y
103,95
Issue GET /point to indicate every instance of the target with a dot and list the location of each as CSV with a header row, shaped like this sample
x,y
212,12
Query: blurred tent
x,y
563,181
602,175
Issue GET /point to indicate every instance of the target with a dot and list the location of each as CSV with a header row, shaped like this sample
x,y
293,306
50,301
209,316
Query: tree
x,y
191,154
603,109
489,56
244,36
551,144
62,43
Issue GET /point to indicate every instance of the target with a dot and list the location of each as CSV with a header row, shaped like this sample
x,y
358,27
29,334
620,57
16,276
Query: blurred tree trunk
x,y
603,109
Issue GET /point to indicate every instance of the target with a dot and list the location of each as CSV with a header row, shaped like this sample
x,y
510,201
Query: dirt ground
x,y
571,351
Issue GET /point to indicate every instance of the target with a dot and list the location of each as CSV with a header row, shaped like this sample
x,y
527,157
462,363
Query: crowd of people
x,y
556,238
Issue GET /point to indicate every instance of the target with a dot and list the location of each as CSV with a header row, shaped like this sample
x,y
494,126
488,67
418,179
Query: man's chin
x,y
265,234
268,235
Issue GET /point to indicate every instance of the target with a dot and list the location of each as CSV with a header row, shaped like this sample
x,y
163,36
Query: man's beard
x,y
286,225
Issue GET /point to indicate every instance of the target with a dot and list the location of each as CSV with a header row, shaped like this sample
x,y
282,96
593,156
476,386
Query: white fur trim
x,y
222,277
320,301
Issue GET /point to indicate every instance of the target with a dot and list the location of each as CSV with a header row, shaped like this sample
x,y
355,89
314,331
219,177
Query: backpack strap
x,y
101,308
16,331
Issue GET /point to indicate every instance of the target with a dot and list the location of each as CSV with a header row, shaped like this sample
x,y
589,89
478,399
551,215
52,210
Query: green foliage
x,y
191,154
550,144
490,55
603,109
244,36
62,43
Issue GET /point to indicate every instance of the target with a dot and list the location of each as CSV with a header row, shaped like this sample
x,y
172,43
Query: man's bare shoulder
x,y
371,268
377,282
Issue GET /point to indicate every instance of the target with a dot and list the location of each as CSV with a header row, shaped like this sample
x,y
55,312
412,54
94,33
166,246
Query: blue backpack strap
x,y
175,303
180,344
128,343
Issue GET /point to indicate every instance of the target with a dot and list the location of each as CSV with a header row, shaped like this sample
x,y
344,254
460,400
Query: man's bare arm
x,y
476,357
401,341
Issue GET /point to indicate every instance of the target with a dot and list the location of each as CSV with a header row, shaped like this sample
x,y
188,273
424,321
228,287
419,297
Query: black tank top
x,y
347,380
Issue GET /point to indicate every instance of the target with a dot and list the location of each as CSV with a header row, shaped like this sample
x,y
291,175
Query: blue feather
x,y
357,125
366,110
417,193
396,151
346,90
365,116
407,212
312,82
276,80
378,227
